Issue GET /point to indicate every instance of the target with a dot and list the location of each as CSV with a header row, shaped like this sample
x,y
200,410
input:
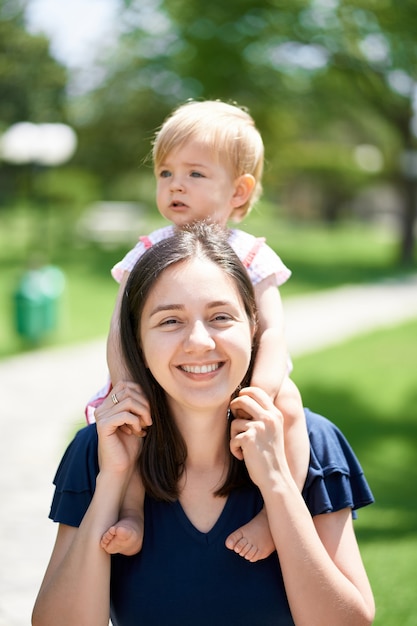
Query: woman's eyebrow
x,y
216,303
166,307
160,308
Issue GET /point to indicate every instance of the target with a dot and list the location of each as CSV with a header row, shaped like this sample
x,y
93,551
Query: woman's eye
x,y
171,321
222,317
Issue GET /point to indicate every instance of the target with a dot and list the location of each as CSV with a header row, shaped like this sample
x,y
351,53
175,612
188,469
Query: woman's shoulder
x,y
85,441
335,478
75,479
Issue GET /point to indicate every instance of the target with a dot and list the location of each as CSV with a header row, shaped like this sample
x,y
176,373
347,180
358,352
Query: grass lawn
x,y
368,387
319,256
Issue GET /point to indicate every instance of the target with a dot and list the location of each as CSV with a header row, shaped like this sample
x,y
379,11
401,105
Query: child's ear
x,y
244,186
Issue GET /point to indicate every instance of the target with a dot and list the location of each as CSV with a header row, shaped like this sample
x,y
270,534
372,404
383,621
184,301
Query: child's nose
x,y
177,183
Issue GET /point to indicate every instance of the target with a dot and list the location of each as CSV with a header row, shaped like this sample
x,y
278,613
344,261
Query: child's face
x,y
192,185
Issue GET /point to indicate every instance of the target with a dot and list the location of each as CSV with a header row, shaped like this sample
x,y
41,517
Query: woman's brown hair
x,y
164,452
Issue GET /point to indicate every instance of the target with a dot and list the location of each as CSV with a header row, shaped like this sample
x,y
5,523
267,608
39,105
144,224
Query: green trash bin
x,y
37,302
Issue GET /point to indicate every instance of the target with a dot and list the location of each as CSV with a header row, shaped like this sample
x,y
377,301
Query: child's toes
x,y
236,540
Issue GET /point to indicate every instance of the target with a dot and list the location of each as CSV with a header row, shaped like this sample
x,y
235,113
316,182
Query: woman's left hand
x,y
257,435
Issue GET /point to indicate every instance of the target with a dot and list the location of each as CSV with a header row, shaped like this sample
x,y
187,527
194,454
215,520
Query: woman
x,y
188,327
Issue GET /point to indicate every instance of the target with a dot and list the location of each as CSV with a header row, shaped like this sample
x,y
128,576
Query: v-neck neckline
x,y
210,536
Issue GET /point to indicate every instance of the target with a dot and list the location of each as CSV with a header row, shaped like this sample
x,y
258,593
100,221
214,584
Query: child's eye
x,y
196,174
165,174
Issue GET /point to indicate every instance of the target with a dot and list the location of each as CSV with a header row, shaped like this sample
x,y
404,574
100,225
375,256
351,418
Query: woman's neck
x,y
206,466
206,436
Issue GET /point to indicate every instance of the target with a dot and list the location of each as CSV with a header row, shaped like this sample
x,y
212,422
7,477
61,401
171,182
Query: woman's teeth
x,y
200,369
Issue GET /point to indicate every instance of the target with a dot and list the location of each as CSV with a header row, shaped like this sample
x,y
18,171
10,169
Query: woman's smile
x,y
201,369
195,333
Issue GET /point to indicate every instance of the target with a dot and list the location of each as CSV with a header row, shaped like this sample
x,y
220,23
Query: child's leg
x,y
253,541
126,536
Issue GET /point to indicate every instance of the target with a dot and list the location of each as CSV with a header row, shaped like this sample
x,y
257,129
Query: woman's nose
x,y
199,338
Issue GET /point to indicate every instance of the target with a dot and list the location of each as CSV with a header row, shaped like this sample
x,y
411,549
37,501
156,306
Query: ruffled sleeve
x,y
75,479
335,478
259,259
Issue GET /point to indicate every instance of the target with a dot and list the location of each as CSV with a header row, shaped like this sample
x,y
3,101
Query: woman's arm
x,y
75,590
325,580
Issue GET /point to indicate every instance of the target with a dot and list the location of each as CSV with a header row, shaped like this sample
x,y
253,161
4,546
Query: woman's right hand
x,y
257,436
122,420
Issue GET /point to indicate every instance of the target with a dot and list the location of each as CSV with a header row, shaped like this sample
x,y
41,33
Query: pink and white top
x,y
258,258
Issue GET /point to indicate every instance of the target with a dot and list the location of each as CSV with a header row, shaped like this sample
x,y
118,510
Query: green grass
x,y
368,387
323,256
320,258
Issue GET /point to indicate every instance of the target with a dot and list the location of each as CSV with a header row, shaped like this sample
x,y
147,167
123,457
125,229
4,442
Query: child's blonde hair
x,y
227,129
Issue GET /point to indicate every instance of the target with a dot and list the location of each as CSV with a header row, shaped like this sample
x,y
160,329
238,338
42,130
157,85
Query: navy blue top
x,y
183,577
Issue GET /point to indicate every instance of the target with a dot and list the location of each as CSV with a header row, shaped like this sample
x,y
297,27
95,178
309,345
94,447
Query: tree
x,y
32,83
330,64
319,76
372,58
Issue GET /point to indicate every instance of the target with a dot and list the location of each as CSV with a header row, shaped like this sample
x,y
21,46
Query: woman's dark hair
x,y
164,452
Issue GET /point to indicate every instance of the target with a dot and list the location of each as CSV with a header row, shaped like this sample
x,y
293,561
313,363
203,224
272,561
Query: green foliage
x,y
319,78
32,88
32,84
367,386
323,256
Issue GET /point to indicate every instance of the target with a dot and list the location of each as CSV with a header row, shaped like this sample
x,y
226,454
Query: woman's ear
x,y
244,186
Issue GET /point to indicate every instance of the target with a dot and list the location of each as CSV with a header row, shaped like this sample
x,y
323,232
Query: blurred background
x,y
332,85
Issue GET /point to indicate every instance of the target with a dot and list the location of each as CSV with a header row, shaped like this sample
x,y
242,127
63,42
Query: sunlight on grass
x,y
391,568
368,387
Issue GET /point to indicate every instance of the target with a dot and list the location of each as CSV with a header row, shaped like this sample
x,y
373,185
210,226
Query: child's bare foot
x,y
125,537
253,541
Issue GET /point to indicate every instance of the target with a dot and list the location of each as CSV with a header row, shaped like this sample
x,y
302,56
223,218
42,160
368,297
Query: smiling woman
x,y
188,330
203,330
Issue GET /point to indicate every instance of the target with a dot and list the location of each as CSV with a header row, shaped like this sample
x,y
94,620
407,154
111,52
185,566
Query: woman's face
x,y
195,335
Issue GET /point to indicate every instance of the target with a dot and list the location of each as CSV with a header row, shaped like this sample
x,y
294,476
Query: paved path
x,y
37,418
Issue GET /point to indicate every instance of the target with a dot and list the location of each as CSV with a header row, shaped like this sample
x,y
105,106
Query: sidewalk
x,y
38,416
